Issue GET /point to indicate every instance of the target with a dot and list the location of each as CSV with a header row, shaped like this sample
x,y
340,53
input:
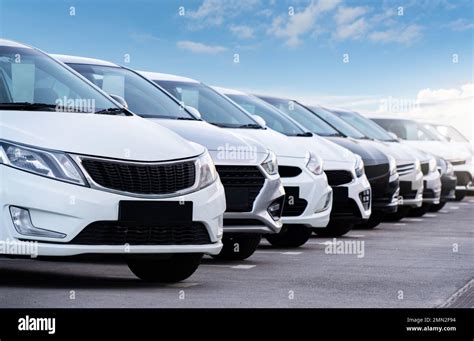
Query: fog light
x,y
276,208
23,225
326,202
365,198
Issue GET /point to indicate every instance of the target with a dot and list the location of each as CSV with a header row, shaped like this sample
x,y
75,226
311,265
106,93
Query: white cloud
x,y
461,25
242,31
144,37
200,47
406,35
346,15
292,27
215,12
353,30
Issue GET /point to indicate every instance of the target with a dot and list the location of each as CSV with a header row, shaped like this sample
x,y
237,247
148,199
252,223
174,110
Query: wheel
x,y
460,195
374,220
437,207
334,229
420,211
290,236
154,268
399,215
239,246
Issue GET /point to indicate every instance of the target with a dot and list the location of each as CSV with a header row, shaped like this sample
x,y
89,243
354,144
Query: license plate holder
x,y
155,212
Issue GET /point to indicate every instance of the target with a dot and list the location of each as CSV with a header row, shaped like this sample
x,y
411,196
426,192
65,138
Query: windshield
x,y
274,119
451,133
435,132
406,129
30,80
337,123
303,116
142,97
365,126
214,108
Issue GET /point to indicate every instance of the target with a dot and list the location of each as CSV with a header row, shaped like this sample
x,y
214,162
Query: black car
x,y
376,164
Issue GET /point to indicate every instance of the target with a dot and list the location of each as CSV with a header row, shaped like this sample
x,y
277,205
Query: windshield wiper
x,y
28,106
305,134
250,125
187,119
112,111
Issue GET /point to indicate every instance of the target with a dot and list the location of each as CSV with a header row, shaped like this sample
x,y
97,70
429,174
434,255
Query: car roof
x,y
166,77
82,60
12,43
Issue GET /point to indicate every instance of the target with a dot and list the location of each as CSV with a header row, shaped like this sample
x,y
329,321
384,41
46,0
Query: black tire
x,y
420,211
334,229
239,246
154,268
374,220
399,215
290,236
437,207
460,195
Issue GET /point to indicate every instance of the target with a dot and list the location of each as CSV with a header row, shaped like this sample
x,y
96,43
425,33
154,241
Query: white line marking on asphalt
x,y
356,235
244,267
182,285
399,224
454,207
443,211
430,215
291,253
414,219
471,200
463,203
458,293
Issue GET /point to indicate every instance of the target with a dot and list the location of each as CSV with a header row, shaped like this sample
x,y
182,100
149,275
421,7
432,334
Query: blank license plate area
x,y
156,212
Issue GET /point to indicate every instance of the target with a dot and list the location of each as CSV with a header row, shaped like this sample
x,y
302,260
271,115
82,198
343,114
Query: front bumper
x,y
432,188
68,209
353,201
308,197
411,189
465,175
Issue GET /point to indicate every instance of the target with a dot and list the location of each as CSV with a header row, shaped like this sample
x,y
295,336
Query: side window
x,y
189,97
5,96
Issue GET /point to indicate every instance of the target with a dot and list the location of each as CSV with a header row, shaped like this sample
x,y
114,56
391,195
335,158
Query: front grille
x,y
242,184
343,207
405,190
289,171
147,179
376,171
405,169
294,205
425,168
338,177
115,233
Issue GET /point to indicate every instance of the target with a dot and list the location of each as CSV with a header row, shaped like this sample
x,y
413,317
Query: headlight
x,y
432,165
417,165
359,166
449,168
207,170
55,165
315,164
270,165
392,163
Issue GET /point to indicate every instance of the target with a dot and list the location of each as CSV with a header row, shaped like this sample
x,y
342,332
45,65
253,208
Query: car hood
x,y
419,154
224,145
120,137
331,153
400,154
280,144
364,148
441,149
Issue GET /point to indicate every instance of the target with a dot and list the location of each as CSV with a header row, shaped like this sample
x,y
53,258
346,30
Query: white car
x,y
82,175
308,196
345,170
414,134
248,171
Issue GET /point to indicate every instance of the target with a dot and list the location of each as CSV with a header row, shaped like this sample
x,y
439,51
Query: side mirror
x,y
259,120
395,137
120,100
193,111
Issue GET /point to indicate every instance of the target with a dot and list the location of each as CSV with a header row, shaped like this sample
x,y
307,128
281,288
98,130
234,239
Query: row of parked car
x,y
97,158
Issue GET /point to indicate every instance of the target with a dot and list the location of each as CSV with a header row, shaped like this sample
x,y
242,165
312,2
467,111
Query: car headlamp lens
x,y
392,165
54,165
359,166
417,165
207,170
270,165
315,164
432,165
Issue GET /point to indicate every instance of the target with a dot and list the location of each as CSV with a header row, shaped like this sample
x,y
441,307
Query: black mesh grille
x,y
141,178
405,190
376,171
114,233
425,168
289,171
294,205
338,177
242,185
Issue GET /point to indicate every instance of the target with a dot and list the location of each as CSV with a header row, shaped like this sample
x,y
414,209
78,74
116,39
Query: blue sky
x,y
298,53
